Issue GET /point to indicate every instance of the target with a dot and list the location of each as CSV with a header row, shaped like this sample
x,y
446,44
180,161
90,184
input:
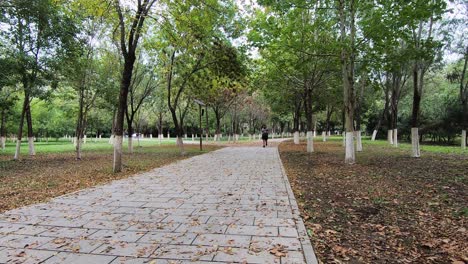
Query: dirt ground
x,y
36,179
387,208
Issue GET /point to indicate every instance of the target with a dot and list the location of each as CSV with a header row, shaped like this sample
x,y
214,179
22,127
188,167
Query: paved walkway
x,y
231,205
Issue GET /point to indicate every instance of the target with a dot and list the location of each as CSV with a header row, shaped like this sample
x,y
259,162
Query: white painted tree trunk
x,y
111,139
229,138
84,139
329,133
78,149
310,141
3,141
358,140
185,136
130,144
390,136
296,137
350,157
180,144
193,137
168,135
315,133
415,143
160,136
374,135
117,140
324,136
463,139
100,136
395,137
151,136
18,149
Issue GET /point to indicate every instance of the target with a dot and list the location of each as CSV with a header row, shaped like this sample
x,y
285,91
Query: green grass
x,y
64,146
403,145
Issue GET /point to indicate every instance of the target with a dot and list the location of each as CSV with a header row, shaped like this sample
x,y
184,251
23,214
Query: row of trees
x,y
154,56
366,51
121,67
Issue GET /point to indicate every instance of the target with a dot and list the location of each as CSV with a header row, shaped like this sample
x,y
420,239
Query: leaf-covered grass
x,y
52,173
386,208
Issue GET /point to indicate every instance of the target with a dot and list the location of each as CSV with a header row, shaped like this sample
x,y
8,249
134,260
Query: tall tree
x,y
130,28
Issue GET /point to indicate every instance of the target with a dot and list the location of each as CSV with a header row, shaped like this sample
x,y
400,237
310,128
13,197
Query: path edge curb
x,y
307,248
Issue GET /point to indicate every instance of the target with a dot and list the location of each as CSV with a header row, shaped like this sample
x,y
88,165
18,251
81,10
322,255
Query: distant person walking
x,y
265,136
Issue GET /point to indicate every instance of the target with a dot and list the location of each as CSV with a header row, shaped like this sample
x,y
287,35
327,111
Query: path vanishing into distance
x,y
231,205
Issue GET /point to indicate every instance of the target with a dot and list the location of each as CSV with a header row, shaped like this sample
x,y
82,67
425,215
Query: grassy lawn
x,y
62,145
387,208
54,170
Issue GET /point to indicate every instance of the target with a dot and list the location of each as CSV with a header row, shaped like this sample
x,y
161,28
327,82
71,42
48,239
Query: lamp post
x,y
200,104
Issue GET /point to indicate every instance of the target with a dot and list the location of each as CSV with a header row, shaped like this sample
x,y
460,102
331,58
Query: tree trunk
x,y
463,139
123,96
130,139
310,141
358,141
347,65
415,142
3,130
21,124
417,85
395,137
296,137
390,136
32,151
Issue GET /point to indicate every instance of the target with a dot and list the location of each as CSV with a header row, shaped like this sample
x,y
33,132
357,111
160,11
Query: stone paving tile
x,y
127,260
283,222
104,224
76,258
168,238
68,232
76,245
62,222
102,216
243,255
194,219
293,257
114,235
192,253
222,240
23,241
253,230
126,249
288,232
202,228
136,218
222,220
24,256
230,205
267,243
154,227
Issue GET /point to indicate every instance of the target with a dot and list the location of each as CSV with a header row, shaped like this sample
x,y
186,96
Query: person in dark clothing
x,y
265,136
